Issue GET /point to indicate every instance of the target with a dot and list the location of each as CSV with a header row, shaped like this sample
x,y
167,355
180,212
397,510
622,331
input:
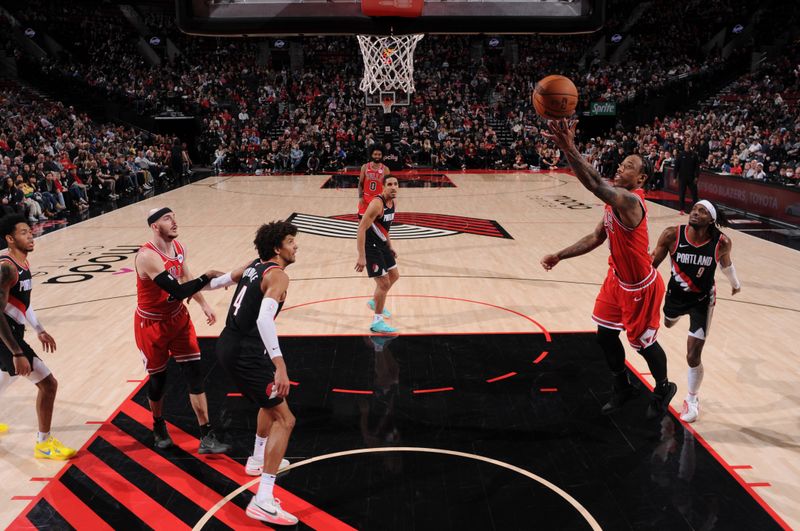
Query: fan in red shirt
x,y
631,295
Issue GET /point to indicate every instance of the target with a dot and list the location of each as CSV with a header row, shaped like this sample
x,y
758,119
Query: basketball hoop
x,y
388,63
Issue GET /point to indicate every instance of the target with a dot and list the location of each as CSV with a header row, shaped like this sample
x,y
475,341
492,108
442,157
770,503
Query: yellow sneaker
x,y
52,449
3,427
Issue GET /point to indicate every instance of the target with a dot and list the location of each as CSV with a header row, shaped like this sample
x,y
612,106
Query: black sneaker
x,y
621,394
211,445
161,436
659,401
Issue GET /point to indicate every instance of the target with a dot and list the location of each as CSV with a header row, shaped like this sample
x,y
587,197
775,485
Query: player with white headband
x,y
695,250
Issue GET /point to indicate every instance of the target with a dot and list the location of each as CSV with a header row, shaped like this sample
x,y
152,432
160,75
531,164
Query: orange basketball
x,y
555,97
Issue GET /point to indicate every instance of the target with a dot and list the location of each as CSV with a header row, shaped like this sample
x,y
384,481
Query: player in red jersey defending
x,y
631,295
163,327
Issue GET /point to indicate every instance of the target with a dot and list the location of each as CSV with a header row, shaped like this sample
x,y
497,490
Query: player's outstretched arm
x,y
665,242
149,265
8,277
373,210
586,244
274,285
725,261
562,132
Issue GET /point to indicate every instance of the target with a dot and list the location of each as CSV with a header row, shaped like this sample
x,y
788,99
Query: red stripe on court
x,y
434,390
764,505
40,479
134,381
759,484
60,489
95,422
741,467
501,377
308,514
542,356
234,394
549,389
23,497
127,494
72,509
351,391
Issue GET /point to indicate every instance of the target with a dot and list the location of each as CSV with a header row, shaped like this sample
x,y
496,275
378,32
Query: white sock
x,y
377,317
42,437
695,379
264,493
258,449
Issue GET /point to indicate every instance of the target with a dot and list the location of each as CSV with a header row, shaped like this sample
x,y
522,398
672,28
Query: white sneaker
x,y
691,410
255,467
270,512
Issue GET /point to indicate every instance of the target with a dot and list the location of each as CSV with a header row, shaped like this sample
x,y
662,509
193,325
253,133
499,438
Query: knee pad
x,y
193,372
156,386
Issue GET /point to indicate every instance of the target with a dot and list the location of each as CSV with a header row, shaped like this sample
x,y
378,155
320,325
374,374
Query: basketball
x,y
555,97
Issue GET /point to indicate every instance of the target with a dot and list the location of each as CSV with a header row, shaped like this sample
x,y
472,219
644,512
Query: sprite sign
x,y
603,108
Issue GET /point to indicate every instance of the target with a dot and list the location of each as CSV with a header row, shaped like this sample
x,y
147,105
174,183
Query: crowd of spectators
x,y
751,129
260,118
54,159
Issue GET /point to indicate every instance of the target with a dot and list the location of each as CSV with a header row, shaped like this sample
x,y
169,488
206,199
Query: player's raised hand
x,y
550,261
48,343
562,132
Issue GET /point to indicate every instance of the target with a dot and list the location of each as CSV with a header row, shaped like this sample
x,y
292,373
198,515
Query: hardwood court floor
x,y
469,278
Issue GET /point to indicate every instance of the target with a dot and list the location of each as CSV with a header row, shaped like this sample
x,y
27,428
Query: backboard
x,y
346,17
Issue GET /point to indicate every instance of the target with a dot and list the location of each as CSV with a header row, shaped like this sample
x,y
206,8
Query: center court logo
x,y
406,226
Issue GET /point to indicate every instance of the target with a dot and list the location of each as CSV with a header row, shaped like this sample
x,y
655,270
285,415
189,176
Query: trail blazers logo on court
x,y
406,226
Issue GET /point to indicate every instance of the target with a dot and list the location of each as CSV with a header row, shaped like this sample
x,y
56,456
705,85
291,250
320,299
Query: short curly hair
x,y
270,236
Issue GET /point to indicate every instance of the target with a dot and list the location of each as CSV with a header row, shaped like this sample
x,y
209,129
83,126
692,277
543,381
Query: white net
x,y
388,62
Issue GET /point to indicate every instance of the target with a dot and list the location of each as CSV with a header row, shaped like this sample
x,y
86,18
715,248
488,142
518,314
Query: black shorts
x,y
699,307
379,259
247,363
6,356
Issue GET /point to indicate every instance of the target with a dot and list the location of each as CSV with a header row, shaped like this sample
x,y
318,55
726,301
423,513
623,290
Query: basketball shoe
x,y
659,400
255,467
270,511
386,313
52,449
691,410
380,327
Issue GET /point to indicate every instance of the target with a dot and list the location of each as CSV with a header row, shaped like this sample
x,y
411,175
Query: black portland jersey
x,y
379,231
246,304
19,295
693,266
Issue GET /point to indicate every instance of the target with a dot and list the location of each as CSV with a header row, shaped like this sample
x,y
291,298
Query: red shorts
x,y
633,308
158,340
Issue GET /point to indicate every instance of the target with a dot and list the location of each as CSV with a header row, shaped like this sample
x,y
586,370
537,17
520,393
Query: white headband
x,y
708,206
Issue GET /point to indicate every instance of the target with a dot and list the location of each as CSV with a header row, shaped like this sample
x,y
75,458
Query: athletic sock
x,y
42,437
695,379
264,493
205,429
258,448
377,317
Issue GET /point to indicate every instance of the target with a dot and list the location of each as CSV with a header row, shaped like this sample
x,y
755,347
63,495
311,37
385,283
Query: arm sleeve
x,y
179,291
266,327
730,272
220,282
30,315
